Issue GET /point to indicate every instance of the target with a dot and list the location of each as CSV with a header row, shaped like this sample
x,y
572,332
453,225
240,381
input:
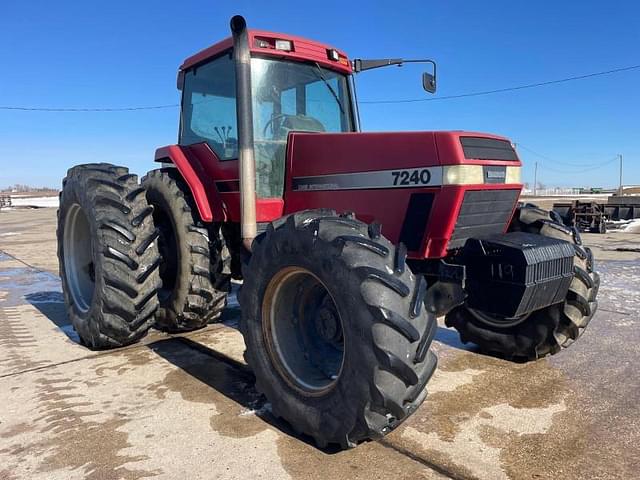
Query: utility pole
x,y
535,180
620,187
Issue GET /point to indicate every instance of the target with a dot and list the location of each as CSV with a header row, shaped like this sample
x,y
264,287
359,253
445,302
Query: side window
x,y
288,99
209,107
322,106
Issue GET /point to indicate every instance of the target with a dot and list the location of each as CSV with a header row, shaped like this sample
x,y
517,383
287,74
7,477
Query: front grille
x,y
480,148
483,212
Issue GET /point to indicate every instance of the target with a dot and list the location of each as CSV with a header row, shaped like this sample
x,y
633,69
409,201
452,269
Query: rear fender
x,y
205,194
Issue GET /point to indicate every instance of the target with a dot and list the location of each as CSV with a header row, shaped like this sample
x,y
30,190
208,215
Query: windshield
x,y
287,96
292,96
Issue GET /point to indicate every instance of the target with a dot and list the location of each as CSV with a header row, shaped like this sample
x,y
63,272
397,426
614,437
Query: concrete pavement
x,y
185,406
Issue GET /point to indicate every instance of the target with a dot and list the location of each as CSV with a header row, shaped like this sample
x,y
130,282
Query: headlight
x,y
474,175
462,175
514,175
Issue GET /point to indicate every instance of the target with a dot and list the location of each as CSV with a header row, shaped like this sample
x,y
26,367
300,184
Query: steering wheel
x,y
271,121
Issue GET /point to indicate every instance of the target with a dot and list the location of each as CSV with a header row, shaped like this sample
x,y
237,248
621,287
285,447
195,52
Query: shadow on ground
x,y
222,374
51,305
227,377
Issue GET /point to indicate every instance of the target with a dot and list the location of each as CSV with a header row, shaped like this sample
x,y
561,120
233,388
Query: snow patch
x,y
626,226
35,201
264,409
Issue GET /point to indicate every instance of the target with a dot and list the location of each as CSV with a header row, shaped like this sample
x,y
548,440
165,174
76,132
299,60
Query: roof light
x,y
262,43
285,45
333,55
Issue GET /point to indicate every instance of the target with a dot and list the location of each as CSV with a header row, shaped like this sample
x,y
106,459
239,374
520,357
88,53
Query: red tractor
x,y
348,244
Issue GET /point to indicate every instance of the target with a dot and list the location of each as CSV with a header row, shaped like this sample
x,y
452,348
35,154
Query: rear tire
x,y
546,331
108,255
347,366
194,261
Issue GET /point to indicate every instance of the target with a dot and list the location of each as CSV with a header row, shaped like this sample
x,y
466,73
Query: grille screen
x,y
487,149
483,212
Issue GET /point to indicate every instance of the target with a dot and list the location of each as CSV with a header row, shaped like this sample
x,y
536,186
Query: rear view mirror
x,y
429,80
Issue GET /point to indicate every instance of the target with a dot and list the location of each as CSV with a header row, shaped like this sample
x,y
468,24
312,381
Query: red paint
x,y
268,209
303,50
201,168
191,171
321,154
311,154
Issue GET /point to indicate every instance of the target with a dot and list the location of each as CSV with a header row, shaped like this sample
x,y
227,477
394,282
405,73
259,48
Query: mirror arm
x,y
360,65
428,79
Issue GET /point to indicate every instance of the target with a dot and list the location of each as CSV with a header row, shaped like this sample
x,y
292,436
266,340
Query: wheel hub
x,y
328,324
303,331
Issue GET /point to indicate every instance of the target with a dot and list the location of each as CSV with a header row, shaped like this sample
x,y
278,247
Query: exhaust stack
x,y
244,113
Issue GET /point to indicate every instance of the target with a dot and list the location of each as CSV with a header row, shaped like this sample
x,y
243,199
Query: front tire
x,y
546,331
335,329
193,257
108,255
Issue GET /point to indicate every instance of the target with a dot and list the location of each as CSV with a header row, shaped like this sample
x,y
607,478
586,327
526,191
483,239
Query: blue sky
x,y
126,53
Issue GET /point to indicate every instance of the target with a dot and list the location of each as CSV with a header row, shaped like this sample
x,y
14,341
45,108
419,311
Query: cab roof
x,y
264,43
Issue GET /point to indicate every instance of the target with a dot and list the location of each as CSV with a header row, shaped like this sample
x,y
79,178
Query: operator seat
x,y
301,123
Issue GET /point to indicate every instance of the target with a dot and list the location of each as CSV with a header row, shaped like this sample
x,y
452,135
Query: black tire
x,y
546,331
386,331
108,255
194,261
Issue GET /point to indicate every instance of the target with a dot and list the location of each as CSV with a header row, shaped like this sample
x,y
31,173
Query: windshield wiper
x,y
333,92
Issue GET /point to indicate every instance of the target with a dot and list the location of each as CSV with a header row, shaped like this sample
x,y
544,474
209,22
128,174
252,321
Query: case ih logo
x,y
496,174
493,174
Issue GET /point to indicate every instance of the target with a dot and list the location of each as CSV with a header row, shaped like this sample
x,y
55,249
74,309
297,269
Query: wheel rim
x,y
78,258
497,320
303,331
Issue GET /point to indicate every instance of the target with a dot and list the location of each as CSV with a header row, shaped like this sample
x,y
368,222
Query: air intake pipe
x,y
244,111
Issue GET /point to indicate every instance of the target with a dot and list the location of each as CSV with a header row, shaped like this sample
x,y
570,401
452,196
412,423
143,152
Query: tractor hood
x,y
431,190
320,161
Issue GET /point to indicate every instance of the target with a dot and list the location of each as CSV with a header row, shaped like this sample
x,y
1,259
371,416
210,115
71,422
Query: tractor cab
x,y
288,93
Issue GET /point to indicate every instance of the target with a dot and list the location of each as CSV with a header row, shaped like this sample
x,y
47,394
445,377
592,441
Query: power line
x,y
574,172
545,157
370,102
508,89
88,109
584,168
